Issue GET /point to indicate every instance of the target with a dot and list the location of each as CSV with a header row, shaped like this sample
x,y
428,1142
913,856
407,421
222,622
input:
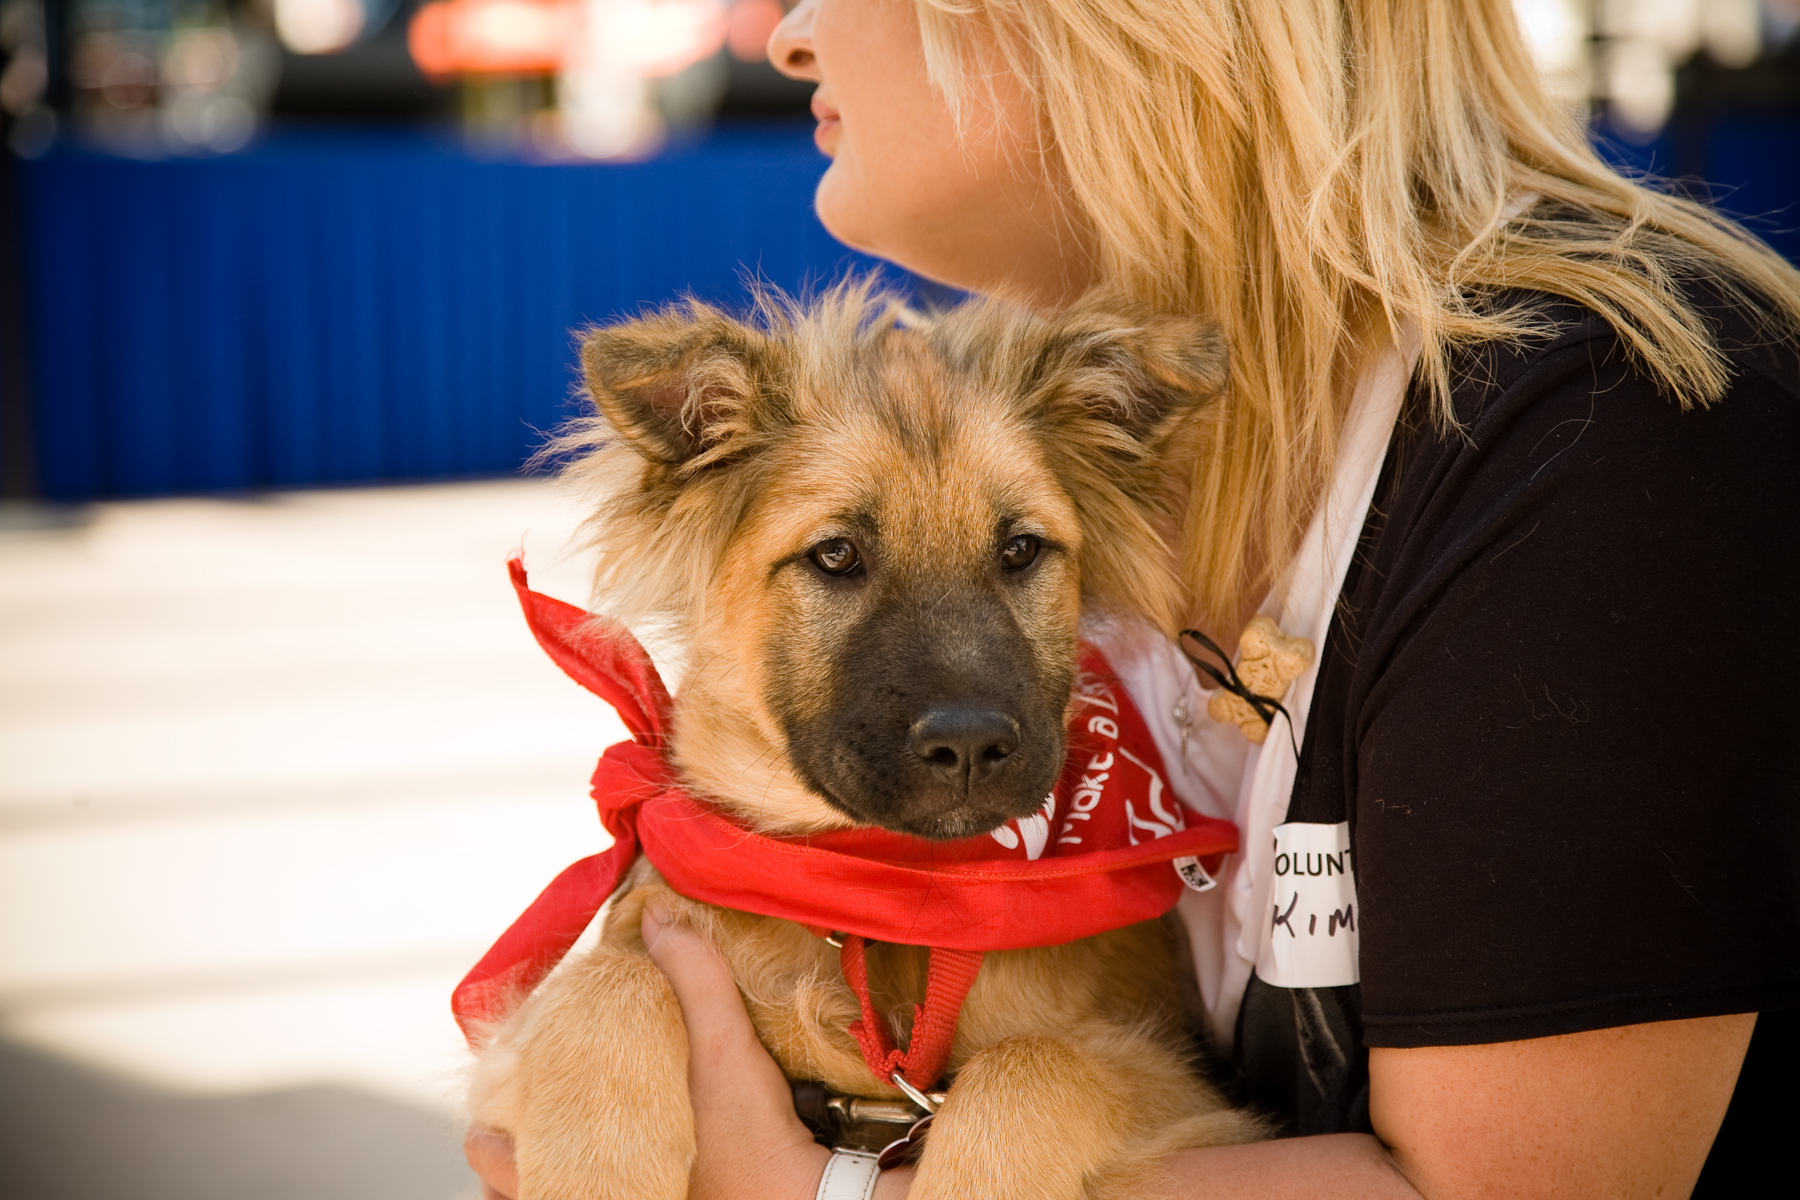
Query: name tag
x,y
1309,932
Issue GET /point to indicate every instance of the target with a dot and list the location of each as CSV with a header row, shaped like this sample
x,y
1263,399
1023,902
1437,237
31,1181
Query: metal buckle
x,y
857,1122
916,1096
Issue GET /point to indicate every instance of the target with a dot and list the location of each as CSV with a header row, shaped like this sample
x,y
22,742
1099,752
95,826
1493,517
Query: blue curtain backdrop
x,y
343,307
332,308
1746,163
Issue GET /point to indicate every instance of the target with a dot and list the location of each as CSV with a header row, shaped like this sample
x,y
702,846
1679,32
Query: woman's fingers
x,y
719,1030
750,1141
490,1156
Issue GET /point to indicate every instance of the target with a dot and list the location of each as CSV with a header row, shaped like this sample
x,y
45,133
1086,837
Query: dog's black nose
x,y
965,745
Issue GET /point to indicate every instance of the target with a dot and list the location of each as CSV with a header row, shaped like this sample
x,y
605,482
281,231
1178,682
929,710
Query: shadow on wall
x,y
69,1132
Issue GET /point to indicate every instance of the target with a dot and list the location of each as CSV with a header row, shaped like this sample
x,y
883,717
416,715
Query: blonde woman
x,y
1511,438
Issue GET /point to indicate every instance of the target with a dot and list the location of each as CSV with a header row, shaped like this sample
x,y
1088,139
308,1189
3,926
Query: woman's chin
x,y
844,214
864,217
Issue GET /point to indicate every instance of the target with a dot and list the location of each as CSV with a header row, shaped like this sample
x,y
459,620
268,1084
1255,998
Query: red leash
x,y
1095,859
947,982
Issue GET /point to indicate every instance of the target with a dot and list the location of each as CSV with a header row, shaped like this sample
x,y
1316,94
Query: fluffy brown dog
x,y
873,544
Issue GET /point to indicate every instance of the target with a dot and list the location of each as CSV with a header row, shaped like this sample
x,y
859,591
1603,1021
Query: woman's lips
x,y
827,117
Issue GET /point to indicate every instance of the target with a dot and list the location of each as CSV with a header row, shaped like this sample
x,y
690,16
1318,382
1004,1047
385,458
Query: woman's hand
x,y
490,1156
750,1142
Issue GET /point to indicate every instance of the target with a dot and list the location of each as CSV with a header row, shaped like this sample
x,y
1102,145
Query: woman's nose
x,y
790,46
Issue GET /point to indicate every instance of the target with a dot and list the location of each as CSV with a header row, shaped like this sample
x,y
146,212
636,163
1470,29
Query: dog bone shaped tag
x,y
1268,661
908,1148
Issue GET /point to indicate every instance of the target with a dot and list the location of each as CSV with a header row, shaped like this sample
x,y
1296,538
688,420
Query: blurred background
x,y
287,294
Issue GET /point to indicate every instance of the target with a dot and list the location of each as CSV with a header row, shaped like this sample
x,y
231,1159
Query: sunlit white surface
x,y
273,773
1639,44
318,26
1556,32
366,1034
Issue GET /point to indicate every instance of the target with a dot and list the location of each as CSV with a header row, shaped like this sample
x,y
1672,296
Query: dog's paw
x,y
1090,1115
1027,1117
601,1085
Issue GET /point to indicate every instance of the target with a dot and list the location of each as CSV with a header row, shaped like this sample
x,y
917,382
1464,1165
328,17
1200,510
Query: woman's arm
x,y
1624,1112
1627,1112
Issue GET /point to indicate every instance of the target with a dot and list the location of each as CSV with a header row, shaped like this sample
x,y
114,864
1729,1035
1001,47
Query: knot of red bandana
x,y
1094,858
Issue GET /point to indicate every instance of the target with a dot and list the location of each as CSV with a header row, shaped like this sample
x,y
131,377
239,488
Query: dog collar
x,y
1096,857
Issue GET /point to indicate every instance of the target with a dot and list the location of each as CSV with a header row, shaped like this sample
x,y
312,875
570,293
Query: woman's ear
x,y
1143,372
685,387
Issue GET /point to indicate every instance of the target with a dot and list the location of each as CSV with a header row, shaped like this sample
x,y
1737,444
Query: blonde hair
x,y
1313,173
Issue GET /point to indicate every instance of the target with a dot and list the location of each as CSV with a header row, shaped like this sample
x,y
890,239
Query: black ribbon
x,y
1264,706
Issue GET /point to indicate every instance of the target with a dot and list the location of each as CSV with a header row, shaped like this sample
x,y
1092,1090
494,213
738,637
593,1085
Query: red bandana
x,y
1095,858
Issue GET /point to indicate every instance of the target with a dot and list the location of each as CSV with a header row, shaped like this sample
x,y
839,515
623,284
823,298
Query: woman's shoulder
x,y
1757,347
1571,471
1577,384
1556,647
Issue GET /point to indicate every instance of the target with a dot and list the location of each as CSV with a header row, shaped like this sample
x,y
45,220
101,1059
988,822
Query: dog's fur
x,y
724,456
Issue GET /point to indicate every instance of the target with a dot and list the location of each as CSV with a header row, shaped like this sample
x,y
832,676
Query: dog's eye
x,y
836,557
1020,552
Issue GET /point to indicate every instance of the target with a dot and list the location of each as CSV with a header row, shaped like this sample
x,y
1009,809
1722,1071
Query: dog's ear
x,y
1141,371
687,386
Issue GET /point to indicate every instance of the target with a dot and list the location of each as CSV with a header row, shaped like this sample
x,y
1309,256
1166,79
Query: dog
x,y
873,540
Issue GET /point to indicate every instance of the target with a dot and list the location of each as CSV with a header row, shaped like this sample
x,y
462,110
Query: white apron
x,y
1281,907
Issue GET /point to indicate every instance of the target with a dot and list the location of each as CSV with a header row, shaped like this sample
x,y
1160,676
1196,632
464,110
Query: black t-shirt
x,y
1559,707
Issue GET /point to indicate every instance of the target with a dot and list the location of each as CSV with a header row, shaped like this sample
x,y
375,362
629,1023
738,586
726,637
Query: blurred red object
x,y
748,25
494,37
643,38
